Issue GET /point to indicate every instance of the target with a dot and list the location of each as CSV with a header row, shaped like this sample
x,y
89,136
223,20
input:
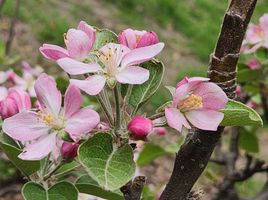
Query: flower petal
x,y
72,101
47,93
39,149
53,52
24,126
89,30
212,95
205,119
82,122
128,38
3,93
181,93
78,43
175,119
264,23
140,55
74,67
133,75
92,85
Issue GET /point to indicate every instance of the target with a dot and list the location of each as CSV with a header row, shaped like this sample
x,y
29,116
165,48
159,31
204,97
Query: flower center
x,y
50,120
191,102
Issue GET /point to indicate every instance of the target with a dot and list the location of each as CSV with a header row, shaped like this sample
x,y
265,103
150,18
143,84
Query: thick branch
x,y
194,154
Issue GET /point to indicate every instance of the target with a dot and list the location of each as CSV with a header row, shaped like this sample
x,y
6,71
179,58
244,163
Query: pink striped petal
x,y
25,126
205,119
82,122
75,67
92,85
39,149
181,93
72,101
89,30
175,119
77,43
47,93
212,95
140,55
133,75
147,39
53,52
128,38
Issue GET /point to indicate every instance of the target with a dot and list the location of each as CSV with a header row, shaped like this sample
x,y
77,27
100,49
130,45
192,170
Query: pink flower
x,y
161,131
69,150
13,101
78,42
136,39
253,64
238,90
120,64
256,36
140,127
41,129
196,102
252,104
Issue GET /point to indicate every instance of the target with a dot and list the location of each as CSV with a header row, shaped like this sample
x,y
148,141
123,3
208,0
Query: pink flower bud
x,y
253,64
238,90
140,127
136,39
15,101
160,131
69,150
252,104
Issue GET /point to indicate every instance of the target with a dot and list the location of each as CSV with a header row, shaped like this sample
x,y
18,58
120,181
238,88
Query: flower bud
x,y
69,150
15,101
253,64
140,127
161,131
136,39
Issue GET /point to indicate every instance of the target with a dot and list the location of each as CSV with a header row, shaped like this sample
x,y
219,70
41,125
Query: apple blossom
x,y
42,129
140,127
196,102
136,39
120,64
256,36
13,101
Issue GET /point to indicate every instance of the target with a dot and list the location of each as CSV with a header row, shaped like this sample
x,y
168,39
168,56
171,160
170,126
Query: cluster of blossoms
x,y
196,102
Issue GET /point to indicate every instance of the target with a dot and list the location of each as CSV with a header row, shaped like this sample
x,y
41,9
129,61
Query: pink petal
x,y
53,52
47,93
128,38
92,85
264,23
149,38
78,44
3,93
89,30
212,95
133,75
253,34
24,126
175,119
82,122
72,100
140,55
205,119
74,67
39,149
181,93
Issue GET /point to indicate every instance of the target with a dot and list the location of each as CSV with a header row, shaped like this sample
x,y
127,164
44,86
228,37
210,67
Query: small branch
x,y
12,28
157,115
133,189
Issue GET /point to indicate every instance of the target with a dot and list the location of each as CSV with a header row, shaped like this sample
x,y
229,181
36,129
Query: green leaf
x,y
149,153
262,54
111,167
60,191
238,114
248,75
12,151
249,141
147,194
162,107
103,37
85,184
67,168
140,94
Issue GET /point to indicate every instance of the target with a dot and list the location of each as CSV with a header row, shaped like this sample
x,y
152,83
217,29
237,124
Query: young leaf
x,y
111,167
62,190
140,94
67,168
238,114
12,151
103,37
85,184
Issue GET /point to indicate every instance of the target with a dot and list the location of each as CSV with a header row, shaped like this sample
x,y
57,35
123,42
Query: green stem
x,y
105,109
48,175
117,108
157,115
45,166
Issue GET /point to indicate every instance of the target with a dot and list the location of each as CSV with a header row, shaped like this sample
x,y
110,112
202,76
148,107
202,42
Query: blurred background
x,y
188,28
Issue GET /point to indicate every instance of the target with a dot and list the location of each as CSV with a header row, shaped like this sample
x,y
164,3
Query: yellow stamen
x,y
191,102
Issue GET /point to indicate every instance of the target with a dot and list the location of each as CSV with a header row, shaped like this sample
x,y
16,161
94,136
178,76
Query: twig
x,y
195,153
12,28
133,189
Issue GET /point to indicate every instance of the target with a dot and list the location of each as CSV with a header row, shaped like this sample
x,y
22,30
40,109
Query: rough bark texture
x,y
133,189
194,154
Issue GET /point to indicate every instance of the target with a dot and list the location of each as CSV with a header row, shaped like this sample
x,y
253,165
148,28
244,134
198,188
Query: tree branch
x,y
194,154
133,189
